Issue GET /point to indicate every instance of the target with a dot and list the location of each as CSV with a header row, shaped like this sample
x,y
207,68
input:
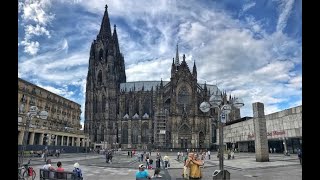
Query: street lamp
x,y
33,111
224,109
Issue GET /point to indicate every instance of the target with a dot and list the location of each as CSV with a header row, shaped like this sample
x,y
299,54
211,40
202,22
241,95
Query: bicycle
x,y
26,172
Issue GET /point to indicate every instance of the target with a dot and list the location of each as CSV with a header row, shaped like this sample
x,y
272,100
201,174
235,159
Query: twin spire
x,y
105,30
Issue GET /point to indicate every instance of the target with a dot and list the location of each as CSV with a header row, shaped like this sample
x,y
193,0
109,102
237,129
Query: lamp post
x,y
224,109
33,111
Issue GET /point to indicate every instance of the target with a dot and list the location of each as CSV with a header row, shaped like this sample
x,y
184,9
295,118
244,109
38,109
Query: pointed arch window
x,y
104,105
124,132
183,95
135,133
144,133
100,78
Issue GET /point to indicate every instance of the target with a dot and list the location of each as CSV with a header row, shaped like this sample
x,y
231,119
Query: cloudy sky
x,y
251,49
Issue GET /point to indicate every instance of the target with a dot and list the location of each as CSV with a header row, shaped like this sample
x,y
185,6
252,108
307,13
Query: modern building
x,y
62,126
284,131
144,114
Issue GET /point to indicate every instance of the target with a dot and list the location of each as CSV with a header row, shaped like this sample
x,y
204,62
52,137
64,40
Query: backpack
x,y
78,173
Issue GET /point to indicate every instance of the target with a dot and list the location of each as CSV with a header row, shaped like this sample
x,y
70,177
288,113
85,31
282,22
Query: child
x,y
77,171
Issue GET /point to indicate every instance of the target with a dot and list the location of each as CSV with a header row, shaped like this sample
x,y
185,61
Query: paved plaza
x,y
123,167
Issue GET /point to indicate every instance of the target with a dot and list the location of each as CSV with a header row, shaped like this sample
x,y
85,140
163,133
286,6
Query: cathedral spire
x,y
177,57
115,39
194,72
105,30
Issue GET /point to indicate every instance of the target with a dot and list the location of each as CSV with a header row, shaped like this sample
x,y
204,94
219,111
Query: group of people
x,y
77,171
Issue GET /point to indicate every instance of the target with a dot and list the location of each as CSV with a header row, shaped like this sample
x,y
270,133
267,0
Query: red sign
x,y
273,133
278,132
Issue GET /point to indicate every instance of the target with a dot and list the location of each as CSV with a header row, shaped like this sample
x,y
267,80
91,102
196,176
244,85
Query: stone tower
x,y
105,73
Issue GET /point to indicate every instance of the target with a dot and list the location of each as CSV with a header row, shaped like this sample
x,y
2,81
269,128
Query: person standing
x,y
194,164
178,155
209,153
166,161
270,150
142,173
274,150
158,159
300,156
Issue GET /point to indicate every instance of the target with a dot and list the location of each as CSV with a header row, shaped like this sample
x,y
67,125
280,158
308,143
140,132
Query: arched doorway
x,y
201,139
185,136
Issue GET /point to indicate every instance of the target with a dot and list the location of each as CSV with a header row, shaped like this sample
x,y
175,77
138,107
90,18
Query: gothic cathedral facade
x,y
145,114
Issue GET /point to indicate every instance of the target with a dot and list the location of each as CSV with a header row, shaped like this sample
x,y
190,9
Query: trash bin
x,y
217,174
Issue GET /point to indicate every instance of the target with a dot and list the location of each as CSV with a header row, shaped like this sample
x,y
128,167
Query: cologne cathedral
x,y
146,114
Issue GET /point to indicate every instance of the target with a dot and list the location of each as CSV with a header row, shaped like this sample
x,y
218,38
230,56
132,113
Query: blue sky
x,y
251,49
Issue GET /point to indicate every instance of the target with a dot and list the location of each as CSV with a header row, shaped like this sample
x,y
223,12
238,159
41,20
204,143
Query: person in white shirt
x,y
48,166
209,153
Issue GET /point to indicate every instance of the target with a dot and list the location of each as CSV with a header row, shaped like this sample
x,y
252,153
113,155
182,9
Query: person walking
x,y
209,153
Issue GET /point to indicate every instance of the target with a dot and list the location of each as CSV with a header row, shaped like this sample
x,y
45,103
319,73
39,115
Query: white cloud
x,y
285,9
63,91
30,47
35,11
247,6
37,30
35,17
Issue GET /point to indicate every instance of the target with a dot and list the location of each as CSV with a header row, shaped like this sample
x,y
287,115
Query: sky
x,y
250,49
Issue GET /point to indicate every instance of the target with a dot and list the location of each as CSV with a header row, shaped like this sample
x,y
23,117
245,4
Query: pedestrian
x,y
178,156
232,154
77,171
157,173
194,164
166,161
158,159
300,156
274,150
59,167
209,153
48,167
270,150
107,158
142,173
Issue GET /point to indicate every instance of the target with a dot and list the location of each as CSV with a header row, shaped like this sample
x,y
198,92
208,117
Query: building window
x,y
183,95
144,133
124,133
135,133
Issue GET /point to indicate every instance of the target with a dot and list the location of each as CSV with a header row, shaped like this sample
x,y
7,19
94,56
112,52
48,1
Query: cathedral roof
x,y
211,88
139,85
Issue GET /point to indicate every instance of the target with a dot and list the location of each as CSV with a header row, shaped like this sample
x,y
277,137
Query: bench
x,y
51,175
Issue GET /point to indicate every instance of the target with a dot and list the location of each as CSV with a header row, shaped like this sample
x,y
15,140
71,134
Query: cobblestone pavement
x,y
123,167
